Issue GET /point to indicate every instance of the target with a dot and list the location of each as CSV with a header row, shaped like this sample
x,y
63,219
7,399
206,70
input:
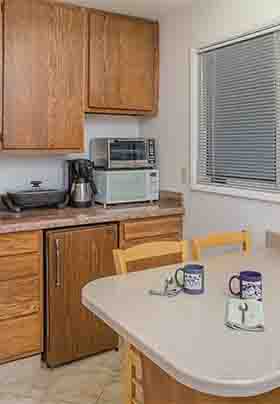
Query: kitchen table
x,y
189,355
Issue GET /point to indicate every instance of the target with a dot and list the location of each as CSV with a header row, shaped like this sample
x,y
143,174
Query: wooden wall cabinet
x,y
123,65
43,76
21,295
76,257
60,61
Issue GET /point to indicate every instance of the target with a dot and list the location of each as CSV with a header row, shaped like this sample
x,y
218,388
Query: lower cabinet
x,y
135,232
20,295
74,258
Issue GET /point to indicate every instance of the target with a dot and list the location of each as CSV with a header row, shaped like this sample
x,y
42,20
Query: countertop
x,y
39,219
186,335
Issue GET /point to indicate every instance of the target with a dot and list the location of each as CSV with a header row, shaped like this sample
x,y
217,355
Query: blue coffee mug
x,y
193,279
250,285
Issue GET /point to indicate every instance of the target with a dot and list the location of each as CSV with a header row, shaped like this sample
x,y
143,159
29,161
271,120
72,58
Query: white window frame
x,y
194,121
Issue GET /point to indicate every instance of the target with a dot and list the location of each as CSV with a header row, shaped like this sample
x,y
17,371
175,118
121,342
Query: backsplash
x,y
17,172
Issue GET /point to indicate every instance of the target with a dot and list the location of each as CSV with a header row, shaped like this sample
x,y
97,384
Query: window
x,y
238,130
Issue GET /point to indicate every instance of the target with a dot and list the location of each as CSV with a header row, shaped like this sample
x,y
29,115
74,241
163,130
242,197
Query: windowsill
x,y
239,193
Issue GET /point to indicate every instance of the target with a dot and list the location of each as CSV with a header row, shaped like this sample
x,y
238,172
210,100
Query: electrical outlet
x,y
184,175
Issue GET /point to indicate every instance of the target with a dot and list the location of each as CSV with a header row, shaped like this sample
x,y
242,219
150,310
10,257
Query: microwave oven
x,y
126,186
126,153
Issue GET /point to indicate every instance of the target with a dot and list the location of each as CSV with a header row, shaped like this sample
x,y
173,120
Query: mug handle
x,y
230,283
176,277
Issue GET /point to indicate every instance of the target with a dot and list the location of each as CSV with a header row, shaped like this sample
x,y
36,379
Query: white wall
x,y
205,22
17,172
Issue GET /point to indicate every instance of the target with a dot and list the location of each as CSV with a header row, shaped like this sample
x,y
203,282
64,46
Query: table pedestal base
x,y
160,388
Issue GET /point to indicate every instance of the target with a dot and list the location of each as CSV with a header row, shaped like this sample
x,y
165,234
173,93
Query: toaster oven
x,y
118,153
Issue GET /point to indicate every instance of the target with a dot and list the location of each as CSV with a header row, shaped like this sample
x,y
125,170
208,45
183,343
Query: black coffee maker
x,y
81,186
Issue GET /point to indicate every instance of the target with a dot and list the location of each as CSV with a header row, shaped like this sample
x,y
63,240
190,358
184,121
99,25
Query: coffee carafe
x,y
81,184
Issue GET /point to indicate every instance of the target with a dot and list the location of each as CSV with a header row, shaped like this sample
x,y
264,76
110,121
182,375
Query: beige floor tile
x,y
57,402
106,361
82,382
112,394
11,399
86,387
24,378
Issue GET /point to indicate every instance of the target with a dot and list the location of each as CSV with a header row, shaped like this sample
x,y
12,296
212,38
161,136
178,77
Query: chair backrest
x,y
272,239
221,239
159,250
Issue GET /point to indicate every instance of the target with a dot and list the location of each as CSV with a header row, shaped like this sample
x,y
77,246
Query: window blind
x,y
239,139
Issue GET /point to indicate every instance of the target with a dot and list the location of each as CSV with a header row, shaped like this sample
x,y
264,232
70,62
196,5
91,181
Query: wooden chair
x,y
222,239
132,369
158,249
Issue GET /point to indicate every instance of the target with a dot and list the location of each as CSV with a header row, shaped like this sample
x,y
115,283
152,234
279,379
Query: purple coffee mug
x,y
250,285
193,279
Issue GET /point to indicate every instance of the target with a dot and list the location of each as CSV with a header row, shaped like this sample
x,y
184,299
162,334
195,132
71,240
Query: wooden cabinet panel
x,y
19,243
123,64
154,227
13,267
58,346
19,297
137,56
20,337
77,257
66,69
26,54
43,75
166,237
148,230
1,73
104,58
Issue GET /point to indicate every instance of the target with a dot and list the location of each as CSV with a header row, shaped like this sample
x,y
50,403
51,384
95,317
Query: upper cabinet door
x,y
104,61
123,64
66,74
43,75
26,54
137,67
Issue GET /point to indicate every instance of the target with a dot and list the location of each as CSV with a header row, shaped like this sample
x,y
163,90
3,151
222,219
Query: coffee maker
x,y
81,186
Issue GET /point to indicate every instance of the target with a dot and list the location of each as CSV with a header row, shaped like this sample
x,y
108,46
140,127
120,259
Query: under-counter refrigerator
x,y
75,257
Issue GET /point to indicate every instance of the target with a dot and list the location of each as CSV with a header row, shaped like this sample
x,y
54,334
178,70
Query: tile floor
x,y
95,380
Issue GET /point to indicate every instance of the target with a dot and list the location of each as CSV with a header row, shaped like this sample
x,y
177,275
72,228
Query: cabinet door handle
x,y
114,232
58,264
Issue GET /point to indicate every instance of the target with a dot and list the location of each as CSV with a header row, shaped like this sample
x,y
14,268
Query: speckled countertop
x,y
186,335
39,219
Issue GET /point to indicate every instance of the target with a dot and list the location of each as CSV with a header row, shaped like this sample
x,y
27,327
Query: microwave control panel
x,y
154,178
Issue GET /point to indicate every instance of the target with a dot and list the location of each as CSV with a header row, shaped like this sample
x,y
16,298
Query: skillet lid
x,y
35,189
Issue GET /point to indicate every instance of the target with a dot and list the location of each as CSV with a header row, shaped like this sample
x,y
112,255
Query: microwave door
x,y
125,154
127,186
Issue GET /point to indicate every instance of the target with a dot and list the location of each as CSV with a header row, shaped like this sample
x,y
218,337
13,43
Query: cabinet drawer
x,y
20,337
19,266
19,297
166,237
19,243
151,228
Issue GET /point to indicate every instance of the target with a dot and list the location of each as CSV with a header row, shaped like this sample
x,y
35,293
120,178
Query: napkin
x,y
254,316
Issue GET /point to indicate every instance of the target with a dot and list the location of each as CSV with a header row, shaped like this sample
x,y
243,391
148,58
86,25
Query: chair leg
x,y
126,376
130,376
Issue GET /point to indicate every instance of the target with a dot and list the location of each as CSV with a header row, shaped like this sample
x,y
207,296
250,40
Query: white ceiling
x,y
141,8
